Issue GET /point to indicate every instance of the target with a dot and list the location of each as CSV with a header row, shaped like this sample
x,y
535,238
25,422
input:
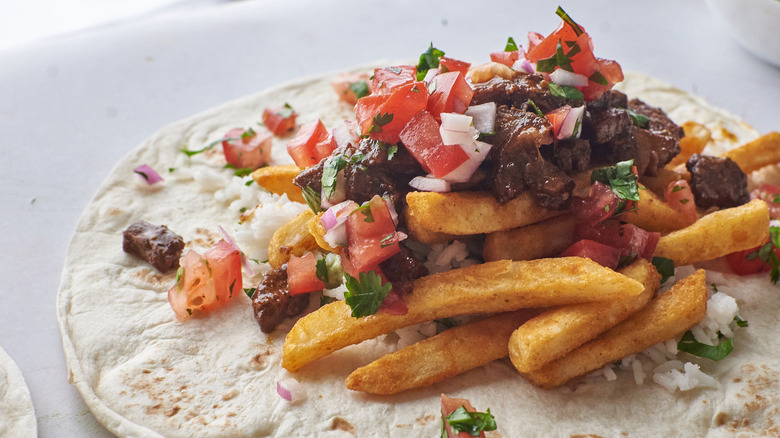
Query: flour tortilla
x,y
142,373
17,416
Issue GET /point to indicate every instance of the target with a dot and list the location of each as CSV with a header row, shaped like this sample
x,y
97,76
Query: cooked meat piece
x,y
666,134
273,303
717,182
157,245
311,177
497,89
610,99
401,269
519,90
570,155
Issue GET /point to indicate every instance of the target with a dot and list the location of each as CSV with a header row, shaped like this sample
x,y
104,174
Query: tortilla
x,y
17,415
143,373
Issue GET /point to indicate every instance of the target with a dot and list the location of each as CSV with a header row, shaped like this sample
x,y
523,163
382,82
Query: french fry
x,y
717,234
760,152
317,230
440,357
291,238
696,138
542,239
486,288
668,315
279,180
658,184
654,214
558,331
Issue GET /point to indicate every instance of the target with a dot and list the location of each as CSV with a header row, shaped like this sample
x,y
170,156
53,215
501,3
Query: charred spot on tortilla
x,y
157,245
339,423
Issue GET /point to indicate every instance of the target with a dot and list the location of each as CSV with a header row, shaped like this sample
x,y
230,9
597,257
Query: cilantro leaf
x,y
620,178
664,266
190,153
324,299
598,78
285,111
333,166
365,210
239,171
392,149
511,45
690,345
365,294
564,91
536,109
638,119
312,198
472,423
428,60
360,88
379,121
568,20
329,270
740,322
250,292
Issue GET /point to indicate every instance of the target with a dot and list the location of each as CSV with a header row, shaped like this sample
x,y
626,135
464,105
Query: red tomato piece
x,y
279,121
556,118
450,405
534,38
771,195
451,94
612,73
382,117
600,204
302,274
627,238
450,64
251,150
393,304
370,231
422,139
206,282
679,196
739,263
387,79
311,144
343,85
600,253
506,58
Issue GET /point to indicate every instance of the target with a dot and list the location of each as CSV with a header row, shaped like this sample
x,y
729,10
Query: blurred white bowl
x,y
754,23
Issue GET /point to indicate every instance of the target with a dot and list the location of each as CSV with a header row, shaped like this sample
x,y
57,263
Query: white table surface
x,y
71,107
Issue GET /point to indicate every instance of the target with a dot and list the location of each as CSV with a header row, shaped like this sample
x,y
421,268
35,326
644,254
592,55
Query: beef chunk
x,y
519,90
571,155
610,99
401,269
665,140
717,182
157,245
273,303
497,89
518,164
311,177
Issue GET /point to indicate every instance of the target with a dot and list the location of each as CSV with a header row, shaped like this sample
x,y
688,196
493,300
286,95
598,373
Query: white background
x,y
72,105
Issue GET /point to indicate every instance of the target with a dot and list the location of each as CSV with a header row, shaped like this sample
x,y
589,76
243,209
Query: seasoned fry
x,y
660,182
542,239
717,234
696,138
668,315
558,331
440,357
279,180
760,152
654,214
318,231
291,238
487,288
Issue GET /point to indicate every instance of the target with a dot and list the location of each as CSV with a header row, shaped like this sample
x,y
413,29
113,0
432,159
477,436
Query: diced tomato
x,y
345,85
600,204
382,117
556,118
279,121
450,64
506,58
422,139
679,196
393,304
534,38
627,238
450,405
387,79
370,235
302,274
611,71
206,282
771,195
311,144
451,94
250,151
604,255
739,263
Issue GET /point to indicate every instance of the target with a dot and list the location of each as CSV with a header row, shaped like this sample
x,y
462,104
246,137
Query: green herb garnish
x,y
365,294
239,171
472,423
329,270
536,108
360,88
638,119
767,253
379,121
665,267
285,111
333,166
511,46
312,198
690,345
598,78
620,178
565,91
428,60
568,20
250,292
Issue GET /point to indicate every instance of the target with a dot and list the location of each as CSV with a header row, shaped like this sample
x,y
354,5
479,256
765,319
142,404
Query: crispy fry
x,y
558,331
318,231
660,182
487,288
760,152
440,357
279,180
542,239
668,315
291,238
654,214
717,234
696,138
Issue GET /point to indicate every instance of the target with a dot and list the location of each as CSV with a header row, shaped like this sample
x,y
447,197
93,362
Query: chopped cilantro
x,y
568,20
189,311
333,166
776,199
249,182
638,119
536,108
249,133
329,270
564,91
620,178
365,294
511,45
391,151
598,78
250,292
190,153
740,322
365,210
690,345
324,300
379,121
384,242
664,266
767,254
559,59
472,423
285,111
428,60
239,171
312,198
360,88
171,169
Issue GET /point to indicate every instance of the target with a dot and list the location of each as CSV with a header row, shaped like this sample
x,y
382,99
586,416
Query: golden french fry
x,y
440,357
654,214
668,315
696,138
318,231
658,184
558,331
717,234
279,180
291,238
760,152
487,288
542,239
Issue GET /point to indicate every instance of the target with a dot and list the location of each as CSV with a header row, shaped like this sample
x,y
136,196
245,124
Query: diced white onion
x,y
477,152
457,129
429,184
483,117
430,75
572,124
524,66
568,79
290,390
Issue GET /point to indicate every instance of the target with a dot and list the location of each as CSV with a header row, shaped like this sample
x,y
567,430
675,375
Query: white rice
x,y
254,234
444,257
